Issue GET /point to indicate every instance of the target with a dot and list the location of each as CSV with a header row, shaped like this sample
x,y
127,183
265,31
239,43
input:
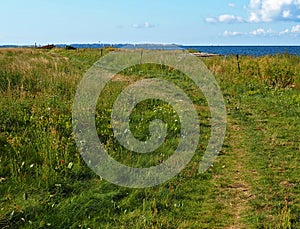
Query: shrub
x,y
277,71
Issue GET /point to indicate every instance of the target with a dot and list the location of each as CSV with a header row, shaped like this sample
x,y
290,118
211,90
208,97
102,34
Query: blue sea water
x,y
227,50
247,50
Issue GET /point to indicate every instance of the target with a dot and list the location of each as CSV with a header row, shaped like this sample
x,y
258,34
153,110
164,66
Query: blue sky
x,y
214,22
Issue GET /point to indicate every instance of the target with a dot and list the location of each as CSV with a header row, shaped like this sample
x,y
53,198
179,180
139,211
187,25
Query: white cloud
x,y
225,18
232,5
258,32
254,4
146,25
286,14
286,31
253,17
273,10
229,33
263,11
211,20
295,29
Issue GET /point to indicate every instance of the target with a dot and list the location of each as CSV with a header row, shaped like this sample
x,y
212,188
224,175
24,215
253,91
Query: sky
x,y
188,22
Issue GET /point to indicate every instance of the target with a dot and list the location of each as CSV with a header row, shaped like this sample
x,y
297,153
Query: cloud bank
x,y
295,31
274,10
263,11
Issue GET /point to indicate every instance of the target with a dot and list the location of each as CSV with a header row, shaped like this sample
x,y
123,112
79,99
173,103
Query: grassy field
x,y
44,182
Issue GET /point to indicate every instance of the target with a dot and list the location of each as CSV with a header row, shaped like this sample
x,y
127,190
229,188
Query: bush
x,y
280,71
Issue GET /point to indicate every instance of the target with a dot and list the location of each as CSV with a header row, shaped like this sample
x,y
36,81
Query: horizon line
x,y
146,43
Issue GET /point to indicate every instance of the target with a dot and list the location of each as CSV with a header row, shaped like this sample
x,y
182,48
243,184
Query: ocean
x,y
226,50
247,50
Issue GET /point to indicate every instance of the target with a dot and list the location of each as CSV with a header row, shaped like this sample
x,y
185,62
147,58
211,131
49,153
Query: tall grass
x,y
45,183
278,71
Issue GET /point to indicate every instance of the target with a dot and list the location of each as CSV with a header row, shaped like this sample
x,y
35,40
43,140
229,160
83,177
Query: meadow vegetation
x,y
44,182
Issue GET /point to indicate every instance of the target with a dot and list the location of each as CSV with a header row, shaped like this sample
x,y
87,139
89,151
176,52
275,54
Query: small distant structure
x,y
47,47
69,47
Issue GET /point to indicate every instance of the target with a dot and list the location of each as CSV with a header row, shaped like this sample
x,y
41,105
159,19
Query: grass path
x,y
259,163
231,180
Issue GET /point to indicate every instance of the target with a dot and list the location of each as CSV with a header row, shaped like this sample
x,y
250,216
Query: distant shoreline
x,y
225,50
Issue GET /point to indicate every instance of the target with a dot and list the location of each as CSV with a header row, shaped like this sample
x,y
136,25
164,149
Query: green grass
x,y
45,183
